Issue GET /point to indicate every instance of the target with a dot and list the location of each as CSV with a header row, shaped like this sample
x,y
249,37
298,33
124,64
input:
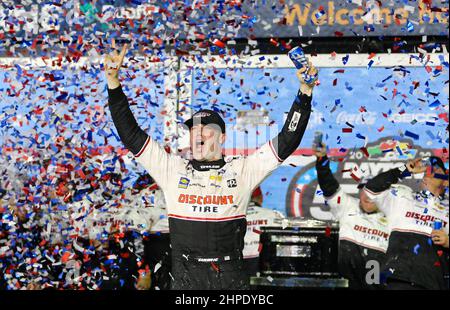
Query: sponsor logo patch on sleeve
x,y
183,183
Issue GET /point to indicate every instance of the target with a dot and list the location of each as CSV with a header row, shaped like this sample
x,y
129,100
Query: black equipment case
x,y
300,248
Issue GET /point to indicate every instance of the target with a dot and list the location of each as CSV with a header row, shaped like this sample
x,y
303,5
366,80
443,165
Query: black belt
x,y
209,259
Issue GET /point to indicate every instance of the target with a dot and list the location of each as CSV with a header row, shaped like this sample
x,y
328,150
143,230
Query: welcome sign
x,y
160,20
296,18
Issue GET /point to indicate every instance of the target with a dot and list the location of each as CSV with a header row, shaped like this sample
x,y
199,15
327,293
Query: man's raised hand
x,y
320,150
306,88
112,62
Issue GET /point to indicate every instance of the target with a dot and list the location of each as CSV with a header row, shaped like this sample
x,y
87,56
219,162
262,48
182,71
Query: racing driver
x,y
206,196
417,255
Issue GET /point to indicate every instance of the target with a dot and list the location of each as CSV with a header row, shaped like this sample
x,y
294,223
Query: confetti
x,y
345,59
219,43
60,125
327,231
409,26
411,135
365,152
416,249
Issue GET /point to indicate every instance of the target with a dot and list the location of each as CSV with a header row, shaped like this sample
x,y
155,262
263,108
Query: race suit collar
x,y
207,165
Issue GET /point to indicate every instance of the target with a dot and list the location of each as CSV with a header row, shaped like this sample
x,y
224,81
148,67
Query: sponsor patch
x,y
202,114
217,178
232,183
183,183
294,121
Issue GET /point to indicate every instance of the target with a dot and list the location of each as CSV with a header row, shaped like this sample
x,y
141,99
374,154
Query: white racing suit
x,y
257,217
207,201
363,237
412,257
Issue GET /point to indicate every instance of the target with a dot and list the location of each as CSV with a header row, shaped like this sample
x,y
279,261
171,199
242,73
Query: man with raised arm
x,y
206,196
363,236
417,255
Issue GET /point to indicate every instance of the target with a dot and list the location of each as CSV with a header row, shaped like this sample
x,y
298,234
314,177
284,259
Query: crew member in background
x,y
417,257
363,236
257,217
150,209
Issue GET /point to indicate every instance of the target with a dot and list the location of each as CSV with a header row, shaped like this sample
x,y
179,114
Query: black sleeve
x,y
287,141
384,180
328,184
132,136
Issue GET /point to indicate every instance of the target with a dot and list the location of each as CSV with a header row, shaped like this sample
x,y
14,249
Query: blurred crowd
x,y
67,221
82,218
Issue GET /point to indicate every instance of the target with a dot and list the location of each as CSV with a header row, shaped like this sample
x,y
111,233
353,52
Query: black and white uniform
x,y
257,217
363,237
412,257
157,252
207,201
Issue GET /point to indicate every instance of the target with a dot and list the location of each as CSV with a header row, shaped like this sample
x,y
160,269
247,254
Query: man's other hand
x,y
306,88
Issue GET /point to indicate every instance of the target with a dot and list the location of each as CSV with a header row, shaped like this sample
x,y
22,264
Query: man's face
x,y
430,179
206,142
364,201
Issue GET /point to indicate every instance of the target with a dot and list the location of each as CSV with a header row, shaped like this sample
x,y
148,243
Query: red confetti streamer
x,y
65,257
354,177
327,231
215,267
364,150
274,42
256,231
81,174
444,117
219,43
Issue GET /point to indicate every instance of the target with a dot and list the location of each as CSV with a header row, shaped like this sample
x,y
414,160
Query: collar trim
x,y
207,165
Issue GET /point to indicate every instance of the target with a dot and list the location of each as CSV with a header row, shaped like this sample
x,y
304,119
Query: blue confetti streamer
x,y
416,249
411,135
